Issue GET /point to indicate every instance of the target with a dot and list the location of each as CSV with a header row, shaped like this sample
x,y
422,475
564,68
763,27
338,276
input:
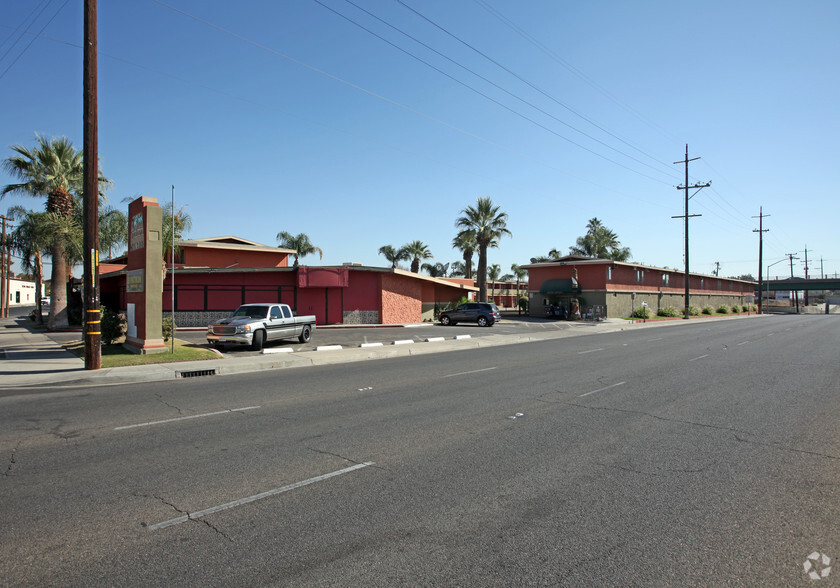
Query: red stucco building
x,y
614,288
214,276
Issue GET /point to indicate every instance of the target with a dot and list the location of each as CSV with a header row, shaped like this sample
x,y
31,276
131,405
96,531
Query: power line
x,y
495,85
516,75
33,39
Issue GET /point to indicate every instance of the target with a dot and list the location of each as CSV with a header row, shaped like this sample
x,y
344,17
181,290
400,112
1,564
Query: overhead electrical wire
x,y
551,54
480,93
25,49
520,78
485,79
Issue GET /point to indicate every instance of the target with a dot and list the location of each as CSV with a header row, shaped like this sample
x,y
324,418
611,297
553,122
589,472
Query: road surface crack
x,y
660,418
187,514
790,449
165,403
12,460
353,461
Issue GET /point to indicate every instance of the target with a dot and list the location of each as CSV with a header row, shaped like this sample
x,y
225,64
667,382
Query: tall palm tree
x,y
32,238
175,224
113,230
488,225
600,242
436,270
457,268
53,169
493,273
393,255
519,273
465,243
301,245
555,254
416,251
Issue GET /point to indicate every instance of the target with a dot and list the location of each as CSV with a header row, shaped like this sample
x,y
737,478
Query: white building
x,y
22,293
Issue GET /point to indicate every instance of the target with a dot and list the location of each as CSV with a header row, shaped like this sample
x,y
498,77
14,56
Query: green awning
x,y
560,286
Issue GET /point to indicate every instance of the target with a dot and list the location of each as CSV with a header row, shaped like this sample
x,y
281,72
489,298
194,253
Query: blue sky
x,y
285,116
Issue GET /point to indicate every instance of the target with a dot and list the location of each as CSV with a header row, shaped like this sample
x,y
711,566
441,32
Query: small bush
x,y
723,309
747,308
693,311
642,313
112,326
523,304
708,310
668,311
167,328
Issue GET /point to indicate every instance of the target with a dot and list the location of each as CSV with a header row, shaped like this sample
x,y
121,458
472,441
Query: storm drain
x,y
196,373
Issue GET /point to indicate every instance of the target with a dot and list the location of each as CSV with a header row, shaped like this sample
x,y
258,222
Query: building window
x,y
609,272
701,283
666,279
640,275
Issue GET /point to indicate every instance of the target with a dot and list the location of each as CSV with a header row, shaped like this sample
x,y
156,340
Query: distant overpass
x,y
801,284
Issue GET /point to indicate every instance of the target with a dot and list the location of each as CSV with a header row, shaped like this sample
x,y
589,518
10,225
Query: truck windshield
x,y
251,311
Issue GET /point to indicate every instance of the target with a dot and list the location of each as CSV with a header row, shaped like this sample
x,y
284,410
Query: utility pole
x,y
4,269
92,313
760,232
717,268
795,292
686,216
806,274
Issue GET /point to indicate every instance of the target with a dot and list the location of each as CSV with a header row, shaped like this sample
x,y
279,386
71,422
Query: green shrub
x,y
748,308
693,311
523,303
723,309
642,313
167,328
669,311
112,326
708,310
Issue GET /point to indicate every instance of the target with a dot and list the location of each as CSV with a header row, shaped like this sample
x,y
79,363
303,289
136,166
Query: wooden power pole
x,y
761,230
686,216
92,315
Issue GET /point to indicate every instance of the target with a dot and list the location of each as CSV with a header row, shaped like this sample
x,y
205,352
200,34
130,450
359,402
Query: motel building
x,y
612,289
214,276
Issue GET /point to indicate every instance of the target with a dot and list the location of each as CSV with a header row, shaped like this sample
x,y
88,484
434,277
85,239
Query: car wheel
x,y
483,322
445,320
258,340
305,334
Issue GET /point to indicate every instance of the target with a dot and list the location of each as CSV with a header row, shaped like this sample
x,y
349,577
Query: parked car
x,y
254,324
484,314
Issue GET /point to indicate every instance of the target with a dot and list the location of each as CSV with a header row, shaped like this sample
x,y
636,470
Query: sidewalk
x,y
29,357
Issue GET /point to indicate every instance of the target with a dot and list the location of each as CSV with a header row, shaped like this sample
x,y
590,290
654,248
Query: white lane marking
x,y
255,497
590,351
184,418
701,357
743,343
472,372
601,389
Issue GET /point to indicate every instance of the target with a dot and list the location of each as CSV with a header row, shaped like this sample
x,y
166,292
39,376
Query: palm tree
x,y
55,169
437,270
113,230
32,239
301,245
519,274
488,225
457,268
417,250
555,254
600,242
393,255
493,273
182,225
465,243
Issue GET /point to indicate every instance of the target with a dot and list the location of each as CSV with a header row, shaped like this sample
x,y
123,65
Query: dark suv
x,y
483,314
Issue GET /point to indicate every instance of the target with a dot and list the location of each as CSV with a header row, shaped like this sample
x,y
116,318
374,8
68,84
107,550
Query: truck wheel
x,y
305,334
482,321
445,320
258,340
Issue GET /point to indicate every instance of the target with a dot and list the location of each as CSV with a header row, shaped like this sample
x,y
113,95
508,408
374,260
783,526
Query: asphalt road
x,y
692,454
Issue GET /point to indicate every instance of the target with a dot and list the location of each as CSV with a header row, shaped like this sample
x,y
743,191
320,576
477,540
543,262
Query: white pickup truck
x,y
254,324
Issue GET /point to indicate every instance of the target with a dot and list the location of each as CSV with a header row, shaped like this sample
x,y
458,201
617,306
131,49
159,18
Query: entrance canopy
x,y
560,286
